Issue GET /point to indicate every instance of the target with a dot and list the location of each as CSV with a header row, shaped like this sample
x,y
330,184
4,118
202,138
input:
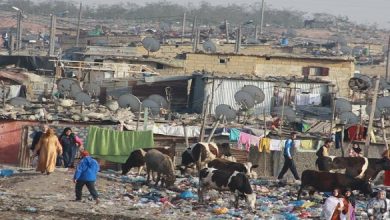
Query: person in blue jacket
x,y
85,174
288,159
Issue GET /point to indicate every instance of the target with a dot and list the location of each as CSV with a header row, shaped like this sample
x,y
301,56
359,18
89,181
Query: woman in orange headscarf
x,y
48,147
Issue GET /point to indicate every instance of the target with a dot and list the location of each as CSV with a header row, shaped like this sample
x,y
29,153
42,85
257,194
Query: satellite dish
x,y
342,105
255,92
151,44
225,110
83,98
377,113
244,99
349,118
19,101
360,83
383,104
68,86
288,113
152,105
93,89
129,100
209,46
159,100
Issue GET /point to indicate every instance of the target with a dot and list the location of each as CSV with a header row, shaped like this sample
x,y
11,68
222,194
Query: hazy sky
x,y
362,11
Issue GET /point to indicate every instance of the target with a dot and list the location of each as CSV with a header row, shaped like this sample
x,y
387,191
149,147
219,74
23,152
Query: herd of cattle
x,y
218,170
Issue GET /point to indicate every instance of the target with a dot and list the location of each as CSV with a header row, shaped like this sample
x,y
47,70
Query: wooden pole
x,y
371,119
4,92
333,94
384,132
227,31
387,61
185,135
214,128
281,119
78,26
183,28
139,116
202,128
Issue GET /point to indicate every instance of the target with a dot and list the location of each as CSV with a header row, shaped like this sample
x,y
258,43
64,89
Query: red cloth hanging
x,y
357,132
386,182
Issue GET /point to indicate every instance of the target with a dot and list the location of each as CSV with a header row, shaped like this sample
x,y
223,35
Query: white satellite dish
x,y
68,86
360,83
225,110
349,118
244,99
152,105
129,100
83,98
151,44
342,105
255,92
209,46
159,100
19,101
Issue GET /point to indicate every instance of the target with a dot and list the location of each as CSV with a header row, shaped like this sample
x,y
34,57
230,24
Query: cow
x,y
326,182
359,167
199,154
137,158
222,180
222,164
162,164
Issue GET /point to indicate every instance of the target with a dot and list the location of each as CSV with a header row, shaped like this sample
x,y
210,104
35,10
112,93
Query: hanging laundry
x,y
276,144
306,145
244,141
254,141
357,132
308,99
234,134
116,146
265,145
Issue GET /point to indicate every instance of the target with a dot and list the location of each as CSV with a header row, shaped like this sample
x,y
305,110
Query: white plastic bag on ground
x,y
34,161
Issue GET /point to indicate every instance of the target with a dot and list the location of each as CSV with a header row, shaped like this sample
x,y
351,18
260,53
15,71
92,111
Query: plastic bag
x,y
34,161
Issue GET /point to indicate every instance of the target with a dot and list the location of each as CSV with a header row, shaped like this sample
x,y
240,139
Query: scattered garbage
x,y
31,209
6,172
186,195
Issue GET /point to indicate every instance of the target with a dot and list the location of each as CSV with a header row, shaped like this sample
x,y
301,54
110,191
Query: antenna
x,y
129,100
209,46
151,44
225,110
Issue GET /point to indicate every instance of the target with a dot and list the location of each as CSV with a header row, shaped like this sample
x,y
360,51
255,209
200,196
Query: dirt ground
x,y
31,195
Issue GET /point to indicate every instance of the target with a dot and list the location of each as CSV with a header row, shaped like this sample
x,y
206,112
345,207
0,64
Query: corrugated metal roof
x,y
320,127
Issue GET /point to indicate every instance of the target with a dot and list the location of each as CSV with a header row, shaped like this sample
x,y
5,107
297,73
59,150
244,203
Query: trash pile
x,y
274,200
26,193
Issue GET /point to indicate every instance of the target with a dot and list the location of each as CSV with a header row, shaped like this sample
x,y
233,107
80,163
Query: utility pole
x,y
227,31
183,27
52,35
387,62
238,40
194,24
19,31
372,114
262,17
78,26
256,32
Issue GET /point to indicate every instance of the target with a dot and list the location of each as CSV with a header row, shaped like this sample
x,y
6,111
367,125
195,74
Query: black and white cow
x,y
222,164
358,167
199,154
326,182
222,180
